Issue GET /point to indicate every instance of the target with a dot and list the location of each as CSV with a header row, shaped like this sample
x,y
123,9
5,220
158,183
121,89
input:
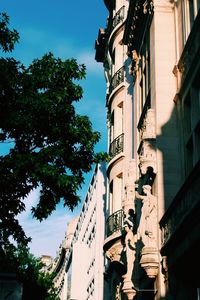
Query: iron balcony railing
x,y
117,79
117,146
119,17
114,222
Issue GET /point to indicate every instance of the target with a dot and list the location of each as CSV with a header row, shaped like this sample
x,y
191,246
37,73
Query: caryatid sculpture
x,y
129,246
147,227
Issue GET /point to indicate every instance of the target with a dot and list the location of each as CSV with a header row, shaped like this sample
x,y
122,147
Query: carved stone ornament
x,y
150,261
129,289
148,7
114,253
135,62
148,129
147,156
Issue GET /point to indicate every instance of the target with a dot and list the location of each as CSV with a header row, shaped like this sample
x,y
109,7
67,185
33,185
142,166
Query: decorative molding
x,y
148,129
129,289
163,5
150,261
139,14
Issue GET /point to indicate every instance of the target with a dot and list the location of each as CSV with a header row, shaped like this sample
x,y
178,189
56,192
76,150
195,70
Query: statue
x,y
129,245
148,216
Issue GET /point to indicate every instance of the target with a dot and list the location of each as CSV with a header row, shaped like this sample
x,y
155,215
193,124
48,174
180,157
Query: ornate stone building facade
x,y
151,56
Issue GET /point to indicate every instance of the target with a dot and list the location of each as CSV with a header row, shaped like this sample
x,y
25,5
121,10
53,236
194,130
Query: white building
x,y
80,261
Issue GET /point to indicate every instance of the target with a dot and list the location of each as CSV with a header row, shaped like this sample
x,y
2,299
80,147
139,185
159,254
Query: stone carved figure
x,y
149,216
129,246
135,62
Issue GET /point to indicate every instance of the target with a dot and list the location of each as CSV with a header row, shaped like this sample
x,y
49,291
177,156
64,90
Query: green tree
x,y
51,146
37,284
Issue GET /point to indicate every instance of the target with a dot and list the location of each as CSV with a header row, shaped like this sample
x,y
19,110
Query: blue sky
x,y
67,29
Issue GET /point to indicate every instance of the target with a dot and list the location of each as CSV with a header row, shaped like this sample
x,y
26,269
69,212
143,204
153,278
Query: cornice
x,y
137,18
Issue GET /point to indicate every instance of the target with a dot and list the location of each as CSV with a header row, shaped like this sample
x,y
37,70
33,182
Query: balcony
x,y
114,222
119,17
117,79
117,146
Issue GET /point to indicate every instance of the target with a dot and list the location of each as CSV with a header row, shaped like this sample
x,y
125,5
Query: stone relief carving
x,y
114,253
135,62
147,227
148,129
147,156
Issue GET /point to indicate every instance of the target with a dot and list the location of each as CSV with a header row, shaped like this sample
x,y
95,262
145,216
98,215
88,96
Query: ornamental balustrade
x,y
119,17
117,146
117,79
114,222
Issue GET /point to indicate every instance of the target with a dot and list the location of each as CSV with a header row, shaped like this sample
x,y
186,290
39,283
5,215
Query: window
x,y
191,127
190,10
111,126
118,120
144,71
111,198
198,293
